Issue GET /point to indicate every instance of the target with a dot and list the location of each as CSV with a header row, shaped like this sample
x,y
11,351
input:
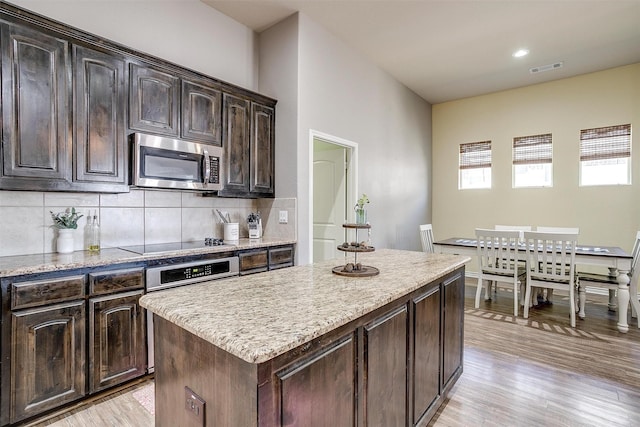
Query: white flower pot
x,y
65,241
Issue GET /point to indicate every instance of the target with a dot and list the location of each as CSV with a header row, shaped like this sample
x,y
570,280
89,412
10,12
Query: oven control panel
x,y
182,274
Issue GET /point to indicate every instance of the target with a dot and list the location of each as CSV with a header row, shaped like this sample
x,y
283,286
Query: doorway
x,y
333,188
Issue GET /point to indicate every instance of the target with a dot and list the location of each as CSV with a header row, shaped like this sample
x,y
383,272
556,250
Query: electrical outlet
x,y
194,405
283,217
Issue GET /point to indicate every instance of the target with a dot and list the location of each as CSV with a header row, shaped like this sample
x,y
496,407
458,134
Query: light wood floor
x,y
517,372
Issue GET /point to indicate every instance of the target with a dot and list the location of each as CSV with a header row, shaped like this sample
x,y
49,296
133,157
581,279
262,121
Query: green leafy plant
x,y
66,219
362,201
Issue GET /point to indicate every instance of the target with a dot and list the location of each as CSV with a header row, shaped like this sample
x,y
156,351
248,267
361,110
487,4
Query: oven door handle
x,y
207,168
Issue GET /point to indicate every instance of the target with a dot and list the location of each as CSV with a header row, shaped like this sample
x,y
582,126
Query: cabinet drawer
x,y
115,281
281,257
254,261
35,293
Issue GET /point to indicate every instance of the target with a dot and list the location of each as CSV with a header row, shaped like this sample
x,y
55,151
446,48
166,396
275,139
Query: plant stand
x,y
356,269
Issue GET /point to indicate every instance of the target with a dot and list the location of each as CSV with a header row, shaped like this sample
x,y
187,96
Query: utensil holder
x,y
231,231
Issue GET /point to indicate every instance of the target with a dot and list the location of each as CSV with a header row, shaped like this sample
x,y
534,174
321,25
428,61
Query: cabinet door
x,y
453,318
253,261
321,390
99,91
384,370
236,118
201,113
426,352
153,100
35,103
262,149
117,348
47,358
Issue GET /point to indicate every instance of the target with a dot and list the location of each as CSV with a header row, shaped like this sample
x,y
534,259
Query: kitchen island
x,y
302,346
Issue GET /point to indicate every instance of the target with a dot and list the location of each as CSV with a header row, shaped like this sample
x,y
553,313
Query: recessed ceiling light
x,y
520,53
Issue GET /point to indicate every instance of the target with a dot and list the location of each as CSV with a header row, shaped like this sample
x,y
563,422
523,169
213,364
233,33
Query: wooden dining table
x,y
612,257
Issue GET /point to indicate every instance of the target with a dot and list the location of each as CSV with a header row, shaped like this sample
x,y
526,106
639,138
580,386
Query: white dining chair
x,y
426,237
498,261
610,282
539,294
520,228
551,264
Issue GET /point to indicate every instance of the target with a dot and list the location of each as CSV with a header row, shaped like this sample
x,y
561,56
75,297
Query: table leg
x,y
623,301
582,299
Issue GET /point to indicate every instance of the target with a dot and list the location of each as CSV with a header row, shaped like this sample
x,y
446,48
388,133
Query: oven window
x,y
170,165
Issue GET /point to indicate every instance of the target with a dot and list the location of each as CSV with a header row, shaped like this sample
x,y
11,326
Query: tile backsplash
x,y
134,218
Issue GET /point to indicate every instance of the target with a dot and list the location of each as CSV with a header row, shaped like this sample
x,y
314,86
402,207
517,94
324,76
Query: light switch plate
x,y
283,217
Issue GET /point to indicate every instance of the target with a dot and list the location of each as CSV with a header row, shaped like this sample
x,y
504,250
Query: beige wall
x,y
607,215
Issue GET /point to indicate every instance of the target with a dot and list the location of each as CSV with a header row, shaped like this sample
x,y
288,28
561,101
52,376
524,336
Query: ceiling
x,y
450,49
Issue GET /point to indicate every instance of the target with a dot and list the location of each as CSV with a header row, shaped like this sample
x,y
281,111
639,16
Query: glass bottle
x,y
94,234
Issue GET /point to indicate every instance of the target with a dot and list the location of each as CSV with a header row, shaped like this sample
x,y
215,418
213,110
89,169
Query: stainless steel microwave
x,y
161,162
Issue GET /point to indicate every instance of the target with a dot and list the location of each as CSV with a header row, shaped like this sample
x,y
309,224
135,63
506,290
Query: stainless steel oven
x,y
172,275
161,162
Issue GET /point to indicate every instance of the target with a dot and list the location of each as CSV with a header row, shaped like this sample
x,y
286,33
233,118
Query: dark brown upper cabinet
x,y
35,109
249,138
153,100
237,127
262,149
201,113
100,106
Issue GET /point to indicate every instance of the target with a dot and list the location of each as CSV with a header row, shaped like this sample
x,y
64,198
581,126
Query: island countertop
x,y
261,316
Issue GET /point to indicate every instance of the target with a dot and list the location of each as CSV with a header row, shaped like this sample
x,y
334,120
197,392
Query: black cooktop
x,y
157,248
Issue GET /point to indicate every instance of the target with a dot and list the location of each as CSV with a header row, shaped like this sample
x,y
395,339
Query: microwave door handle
x,y
207,167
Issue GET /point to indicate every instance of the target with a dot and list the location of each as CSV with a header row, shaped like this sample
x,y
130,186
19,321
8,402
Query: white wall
x,y
607,215
186,32
341,93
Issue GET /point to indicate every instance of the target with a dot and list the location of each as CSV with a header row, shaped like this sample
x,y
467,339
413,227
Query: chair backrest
x,y
426,237
635,264
567,230
551,256
520,228
497,251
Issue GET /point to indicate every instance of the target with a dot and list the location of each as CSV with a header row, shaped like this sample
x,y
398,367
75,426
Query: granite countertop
x,y
261,316
43,263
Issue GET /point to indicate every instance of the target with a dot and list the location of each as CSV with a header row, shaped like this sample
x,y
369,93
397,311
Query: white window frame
x,y
474,160
532,156
607,152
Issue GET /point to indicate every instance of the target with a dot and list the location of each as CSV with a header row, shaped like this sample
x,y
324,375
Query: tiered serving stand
x,y
356,269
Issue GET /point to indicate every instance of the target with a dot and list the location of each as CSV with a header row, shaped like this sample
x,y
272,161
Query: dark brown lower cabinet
x,y
384,369
116,340
67,335
426,352
391,367
48,358
330,374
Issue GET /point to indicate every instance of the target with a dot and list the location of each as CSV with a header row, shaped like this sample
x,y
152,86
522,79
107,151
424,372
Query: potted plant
x,y
361,212
65,222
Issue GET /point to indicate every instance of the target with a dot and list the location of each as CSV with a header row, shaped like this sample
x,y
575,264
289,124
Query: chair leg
x,y
572,308
478,291
527,300
516,302
635,306
613,300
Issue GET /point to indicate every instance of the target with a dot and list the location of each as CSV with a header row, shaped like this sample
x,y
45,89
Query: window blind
x,y
532,150
475,155
612,142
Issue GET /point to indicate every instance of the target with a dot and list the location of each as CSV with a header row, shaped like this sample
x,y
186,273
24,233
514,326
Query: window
x,y
605,155
475,165
532,161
